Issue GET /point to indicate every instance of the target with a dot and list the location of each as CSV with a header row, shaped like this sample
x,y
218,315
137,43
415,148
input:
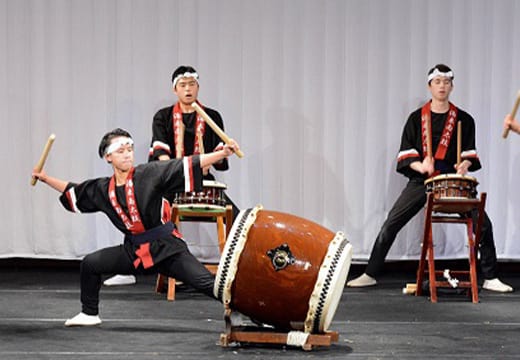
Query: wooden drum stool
x,y
450,211
222,217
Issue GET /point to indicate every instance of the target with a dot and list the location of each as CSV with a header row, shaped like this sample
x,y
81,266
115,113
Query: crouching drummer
x,y
417,164
135,199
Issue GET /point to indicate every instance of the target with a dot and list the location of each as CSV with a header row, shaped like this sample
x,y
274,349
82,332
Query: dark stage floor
x,y
373,323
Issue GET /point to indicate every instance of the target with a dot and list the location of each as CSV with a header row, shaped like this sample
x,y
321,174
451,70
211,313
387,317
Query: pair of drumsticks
x,y
221,134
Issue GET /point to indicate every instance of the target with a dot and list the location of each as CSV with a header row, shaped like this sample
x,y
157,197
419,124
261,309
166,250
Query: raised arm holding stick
x,y
509,122
43,157
221,134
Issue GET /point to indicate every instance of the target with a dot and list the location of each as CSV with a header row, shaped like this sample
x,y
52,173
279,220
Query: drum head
x,y
329,286
213,184
450,177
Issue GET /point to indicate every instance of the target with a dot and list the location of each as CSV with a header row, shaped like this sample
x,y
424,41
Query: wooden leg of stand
x,y
171,289
159,283
170,286
431,269
424,248
472,263
474,249
229,218
221,233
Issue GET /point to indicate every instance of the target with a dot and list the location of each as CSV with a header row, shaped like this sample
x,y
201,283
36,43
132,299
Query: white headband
x,y
436,73
186,74
121,141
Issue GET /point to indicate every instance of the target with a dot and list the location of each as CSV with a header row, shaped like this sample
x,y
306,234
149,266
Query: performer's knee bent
x,y
91,263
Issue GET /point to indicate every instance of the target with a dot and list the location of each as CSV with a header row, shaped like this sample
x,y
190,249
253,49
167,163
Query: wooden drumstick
x,y
221,134
513,113
43,157
459,142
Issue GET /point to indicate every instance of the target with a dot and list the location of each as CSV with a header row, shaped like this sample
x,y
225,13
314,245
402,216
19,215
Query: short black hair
x,y
181,70
442,68
107,139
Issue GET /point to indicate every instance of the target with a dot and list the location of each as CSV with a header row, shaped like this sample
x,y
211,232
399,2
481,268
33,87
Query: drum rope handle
x,y
297,338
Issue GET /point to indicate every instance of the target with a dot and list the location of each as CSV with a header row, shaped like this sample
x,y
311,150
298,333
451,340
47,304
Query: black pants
x,y
407,205
116,260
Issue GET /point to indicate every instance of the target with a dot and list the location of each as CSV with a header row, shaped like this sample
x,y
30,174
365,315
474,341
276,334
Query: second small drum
x,y
211,197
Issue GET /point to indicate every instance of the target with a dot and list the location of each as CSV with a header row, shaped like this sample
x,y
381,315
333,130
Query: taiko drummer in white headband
x,y
119,143
186,75
436,72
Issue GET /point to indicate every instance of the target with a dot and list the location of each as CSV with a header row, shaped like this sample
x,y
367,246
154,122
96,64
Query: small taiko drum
x,y
211,197
452,187
282,270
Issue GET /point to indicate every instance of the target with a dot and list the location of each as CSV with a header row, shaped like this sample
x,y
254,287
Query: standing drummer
x,y
414,162
178,131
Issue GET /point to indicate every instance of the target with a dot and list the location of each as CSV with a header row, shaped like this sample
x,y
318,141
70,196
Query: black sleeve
x,y
84,197
469,149
162,135
175,175
411,146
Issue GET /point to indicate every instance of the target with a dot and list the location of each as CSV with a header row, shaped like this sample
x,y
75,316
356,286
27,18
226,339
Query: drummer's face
x,y
123,157
441,87
187,90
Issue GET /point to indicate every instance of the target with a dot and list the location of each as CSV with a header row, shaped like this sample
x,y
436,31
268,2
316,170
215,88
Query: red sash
x,y
132,221
178,132
447,133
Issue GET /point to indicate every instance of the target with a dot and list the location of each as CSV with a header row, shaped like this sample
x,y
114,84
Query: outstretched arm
x,y
511,123
57,184
216,156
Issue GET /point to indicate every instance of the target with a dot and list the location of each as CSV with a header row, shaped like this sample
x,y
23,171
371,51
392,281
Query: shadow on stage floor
x,y
373,323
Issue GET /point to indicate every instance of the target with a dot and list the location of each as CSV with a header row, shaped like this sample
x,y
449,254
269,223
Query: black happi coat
x,y
163,141
412,148
153,184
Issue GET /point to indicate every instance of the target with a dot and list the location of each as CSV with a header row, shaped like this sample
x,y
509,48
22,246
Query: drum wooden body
x,y
211,197
283,270
452,187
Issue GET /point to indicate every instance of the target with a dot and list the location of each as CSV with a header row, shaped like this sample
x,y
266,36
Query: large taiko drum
x,y
211,197
452,187
282,270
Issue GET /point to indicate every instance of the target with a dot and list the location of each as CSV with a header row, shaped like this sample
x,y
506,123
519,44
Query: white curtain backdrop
x,y
315,91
